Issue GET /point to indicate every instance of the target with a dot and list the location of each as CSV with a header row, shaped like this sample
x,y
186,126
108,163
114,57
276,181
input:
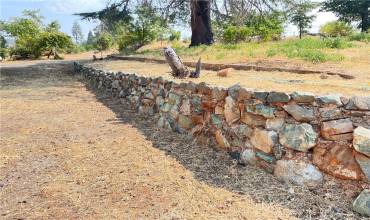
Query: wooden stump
x,y
179,70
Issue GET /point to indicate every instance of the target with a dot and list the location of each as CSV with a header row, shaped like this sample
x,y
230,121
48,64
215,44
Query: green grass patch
x,y
310,49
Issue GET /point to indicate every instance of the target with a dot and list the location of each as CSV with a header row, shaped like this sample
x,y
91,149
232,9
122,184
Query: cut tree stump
x,y
179,70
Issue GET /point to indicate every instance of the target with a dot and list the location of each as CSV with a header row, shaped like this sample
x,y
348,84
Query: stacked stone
x,y
295,136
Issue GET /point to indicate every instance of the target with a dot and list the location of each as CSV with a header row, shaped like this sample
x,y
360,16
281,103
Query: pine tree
x,y
299,15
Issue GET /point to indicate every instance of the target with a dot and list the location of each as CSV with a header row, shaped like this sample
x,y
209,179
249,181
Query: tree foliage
x,y
32,38
298,15
77,32
350,11
336,29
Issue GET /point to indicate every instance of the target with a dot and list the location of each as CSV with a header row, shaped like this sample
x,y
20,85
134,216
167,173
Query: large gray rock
x,y
298,173
361,140
278,97
361,103
364,163
303,97
299,113
274,123
299,137
362,203
248,157
264,140
261,109
330,99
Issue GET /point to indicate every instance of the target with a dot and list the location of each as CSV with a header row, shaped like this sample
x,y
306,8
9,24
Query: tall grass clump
x,y
363,37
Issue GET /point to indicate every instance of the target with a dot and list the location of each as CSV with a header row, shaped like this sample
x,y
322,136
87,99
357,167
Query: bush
x,y
233,34
4,52
175,35
337,43
364,37
336,29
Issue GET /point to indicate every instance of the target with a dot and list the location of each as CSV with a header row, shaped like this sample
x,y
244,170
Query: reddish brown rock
x,y
197,119
253,120
221,140
264,140
219,110
338,160
336,127
231,111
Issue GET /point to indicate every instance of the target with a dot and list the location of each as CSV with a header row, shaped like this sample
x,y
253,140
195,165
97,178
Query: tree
x,y
350,11
90,38
77,32
104,42
53,42
32,38
299,15
201,30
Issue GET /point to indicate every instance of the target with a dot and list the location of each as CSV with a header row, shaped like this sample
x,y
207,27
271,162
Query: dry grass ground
x,y
270,81
69,153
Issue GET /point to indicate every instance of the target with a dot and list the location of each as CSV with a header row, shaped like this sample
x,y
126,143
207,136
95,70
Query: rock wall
x,y
295,136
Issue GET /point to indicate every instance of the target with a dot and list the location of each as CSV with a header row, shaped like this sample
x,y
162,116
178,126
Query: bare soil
x,y
68,152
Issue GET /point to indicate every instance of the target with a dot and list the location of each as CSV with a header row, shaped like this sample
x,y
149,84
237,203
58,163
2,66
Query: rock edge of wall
x,y
297,136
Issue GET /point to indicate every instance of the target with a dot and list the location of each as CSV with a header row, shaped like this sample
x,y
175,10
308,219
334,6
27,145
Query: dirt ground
x,y
67,152
261,80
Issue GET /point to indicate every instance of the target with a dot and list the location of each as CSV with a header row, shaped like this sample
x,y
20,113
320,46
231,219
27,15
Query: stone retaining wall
x,y
297,136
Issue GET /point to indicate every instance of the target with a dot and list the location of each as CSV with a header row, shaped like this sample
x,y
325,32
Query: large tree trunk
x,y
201,22
365,17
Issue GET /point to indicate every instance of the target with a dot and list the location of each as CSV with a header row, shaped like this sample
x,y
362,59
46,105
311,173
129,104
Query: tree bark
x,y
365,17
201,22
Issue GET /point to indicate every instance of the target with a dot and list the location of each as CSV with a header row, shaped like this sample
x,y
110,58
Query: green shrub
x,y
337,43
4,52
364,37
336,29
233,34
175,35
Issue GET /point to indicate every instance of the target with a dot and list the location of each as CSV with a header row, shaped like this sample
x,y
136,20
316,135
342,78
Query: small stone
x,y
302,114
221,140
299,137
173,99
196,103
253,120
265,157
338,160
264,140
364,163
219,110
243,131
159,101
361,140
216,121
329,113
233,91
260,95
225,72
185,122
330,99
274,97
248,157
303,97
185,107
244,94
298,173
231,111
362,203
115,84
335,127
261,109
219,94
274,124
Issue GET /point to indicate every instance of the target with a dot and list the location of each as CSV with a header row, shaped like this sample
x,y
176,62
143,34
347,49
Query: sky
x,y
63,10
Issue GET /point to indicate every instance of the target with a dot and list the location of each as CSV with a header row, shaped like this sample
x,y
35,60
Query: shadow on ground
x,y
218,169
